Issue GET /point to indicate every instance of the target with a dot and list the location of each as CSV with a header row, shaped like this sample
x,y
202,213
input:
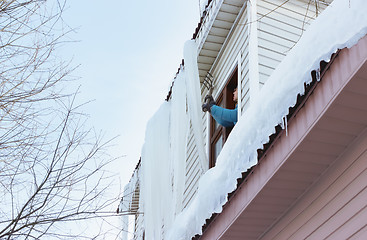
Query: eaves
x,y
214,30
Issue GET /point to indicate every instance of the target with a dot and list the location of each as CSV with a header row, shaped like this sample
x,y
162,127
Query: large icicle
x,y
178,136
163,162
194,98
155,167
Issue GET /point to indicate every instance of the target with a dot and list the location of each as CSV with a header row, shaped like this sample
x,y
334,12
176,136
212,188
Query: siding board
x,y
280,25
361,234
335,212
231,8
338,196
351,226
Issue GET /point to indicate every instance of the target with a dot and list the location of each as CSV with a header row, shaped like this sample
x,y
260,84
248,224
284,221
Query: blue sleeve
x,y
223,116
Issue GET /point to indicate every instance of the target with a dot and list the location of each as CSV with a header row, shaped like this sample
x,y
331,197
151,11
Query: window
x,y
219,134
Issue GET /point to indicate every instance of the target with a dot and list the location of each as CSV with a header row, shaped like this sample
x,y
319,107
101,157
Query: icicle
x,y
155,164
178,135
318,75
194,99
286,125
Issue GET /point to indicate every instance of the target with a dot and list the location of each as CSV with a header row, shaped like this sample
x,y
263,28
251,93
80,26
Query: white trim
x,y
253,51
226,78
239,85
208,145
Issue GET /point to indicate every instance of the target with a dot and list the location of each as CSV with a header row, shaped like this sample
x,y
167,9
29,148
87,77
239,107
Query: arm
x,y
225,117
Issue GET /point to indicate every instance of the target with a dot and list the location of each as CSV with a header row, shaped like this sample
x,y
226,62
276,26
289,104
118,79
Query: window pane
x,y
217,148
216,125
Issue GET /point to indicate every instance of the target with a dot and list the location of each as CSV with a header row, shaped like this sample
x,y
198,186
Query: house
x,y
294,165
310,183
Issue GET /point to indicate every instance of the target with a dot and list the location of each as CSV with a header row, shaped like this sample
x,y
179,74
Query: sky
x,y
129,53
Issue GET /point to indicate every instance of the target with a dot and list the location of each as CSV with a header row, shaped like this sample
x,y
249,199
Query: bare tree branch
x,y
52,168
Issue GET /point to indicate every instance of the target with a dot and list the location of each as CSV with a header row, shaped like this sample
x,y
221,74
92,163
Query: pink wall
x,y
336,206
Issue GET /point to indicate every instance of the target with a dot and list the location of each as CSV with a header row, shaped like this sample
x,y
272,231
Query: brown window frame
x,y
225,99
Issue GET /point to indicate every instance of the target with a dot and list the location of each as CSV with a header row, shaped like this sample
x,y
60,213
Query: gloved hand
x,y
209,102
210,99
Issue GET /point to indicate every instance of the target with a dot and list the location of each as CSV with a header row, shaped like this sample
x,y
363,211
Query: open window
x,y
218,133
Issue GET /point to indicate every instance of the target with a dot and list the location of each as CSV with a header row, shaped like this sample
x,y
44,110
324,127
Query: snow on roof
x,y
341,25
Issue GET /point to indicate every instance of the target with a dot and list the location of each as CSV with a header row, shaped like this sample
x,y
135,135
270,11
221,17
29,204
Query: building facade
x,y
308,181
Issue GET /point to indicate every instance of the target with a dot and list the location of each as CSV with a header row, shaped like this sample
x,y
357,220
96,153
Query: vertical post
x,y
239,85
253,50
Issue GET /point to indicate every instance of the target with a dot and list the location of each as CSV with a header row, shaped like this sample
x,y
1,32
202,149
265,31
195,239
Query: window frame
x,y
224,99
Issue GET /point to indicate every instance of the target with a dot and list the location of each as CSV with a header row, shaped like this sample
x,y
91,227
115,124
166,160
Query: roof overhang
x,y
326,125
215,30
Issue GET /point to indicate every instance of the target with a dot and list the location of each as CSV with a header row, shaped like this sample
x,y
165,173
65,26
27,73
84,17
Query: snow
x,y
341,25
155,172
203,4
194,99
163,162
178,135
163,157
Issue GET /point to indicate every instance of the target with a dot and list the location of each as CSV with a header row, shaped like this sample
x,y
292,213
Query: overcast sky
x,y
129,53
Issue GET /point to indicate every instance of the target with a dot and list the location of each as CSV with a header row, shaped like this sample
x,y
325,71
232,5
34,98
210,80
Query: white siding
x,y
238,43
193,169
139,226
223,68
280,26
245,85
